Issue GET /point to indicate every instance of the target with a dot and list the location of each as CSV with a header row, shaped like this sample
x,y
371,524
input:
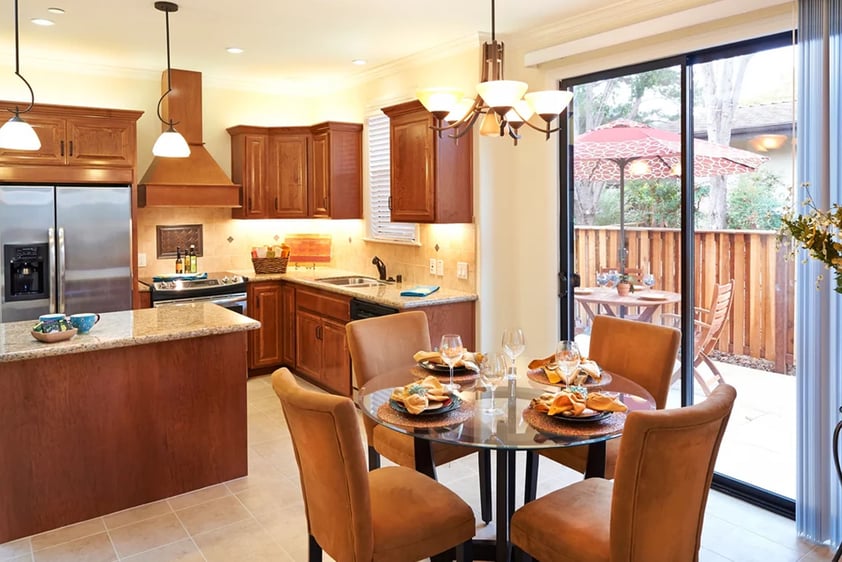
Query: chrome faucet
x,y
381,267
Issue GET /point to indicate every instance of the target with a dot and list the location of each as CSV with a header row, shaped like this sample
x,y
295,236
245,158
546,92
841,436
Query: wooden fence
x,y
761,320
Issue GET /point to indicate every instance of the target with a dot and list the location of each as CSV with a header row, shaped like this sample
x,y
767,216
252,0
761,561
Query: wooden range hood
x,y
195,181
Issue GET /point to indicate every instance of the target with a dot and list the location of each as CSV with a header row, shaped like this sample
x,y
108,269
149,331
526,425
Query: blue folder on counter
x,y
420,291
182,276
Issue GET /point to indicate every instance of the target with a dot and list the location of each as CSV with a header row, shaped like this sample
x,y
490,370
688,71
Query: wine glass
x,y
613,278
567,357
492,371
601,279
513,344
451,352
649,280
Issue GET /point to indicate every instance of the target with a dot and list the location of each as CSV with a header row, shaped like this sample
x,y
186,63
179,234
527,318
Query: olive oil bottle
x,y
179,264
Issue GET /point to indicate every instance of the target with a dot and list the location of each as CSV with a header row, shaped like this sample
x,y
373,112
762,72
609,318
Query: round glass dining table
x,y
514,429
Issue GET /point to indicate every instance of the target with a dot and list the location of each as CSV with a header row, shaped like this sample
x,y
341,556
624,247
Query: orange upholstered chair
x,y
642,352
653,510
384,344
389,514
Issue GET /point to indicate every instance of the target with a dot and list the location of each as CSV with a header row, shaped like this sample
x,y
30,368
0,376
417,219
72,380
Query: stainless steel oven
x,y
226,290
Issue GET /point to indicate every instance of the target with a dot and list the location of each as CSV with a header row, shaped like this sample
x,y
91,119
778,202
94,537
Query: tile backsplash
x,y
228,242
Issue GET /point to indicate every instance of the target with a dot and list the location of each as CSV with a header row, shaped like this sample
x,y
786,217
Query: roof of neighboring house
x,y
748,120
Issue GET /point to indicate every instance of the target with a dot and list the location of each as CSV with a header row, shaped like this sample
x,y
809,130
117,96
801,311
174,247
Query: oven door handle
x,y
229,300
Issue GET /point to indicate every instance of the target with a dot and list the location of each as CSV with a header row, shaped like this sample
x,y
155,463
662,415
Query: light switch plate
x,y
440,268
141,259
432,266
461,270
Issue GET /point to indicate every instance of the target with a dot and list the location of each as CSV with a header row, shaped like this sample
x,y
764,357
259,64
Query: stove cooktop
x,y
220,283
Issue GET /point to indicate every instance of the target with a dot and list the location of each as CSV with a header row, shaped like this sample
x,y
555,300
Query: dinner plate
x,y
447,406
596,416
652,297
431,366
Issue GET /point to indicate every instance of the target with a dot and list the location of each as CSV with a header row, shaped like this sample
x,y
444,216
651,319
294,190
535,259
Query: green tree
x,y
757,201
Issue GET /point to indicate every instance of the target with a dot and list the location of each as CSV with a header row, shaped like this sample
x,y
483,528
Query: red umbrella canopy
x,y
599,153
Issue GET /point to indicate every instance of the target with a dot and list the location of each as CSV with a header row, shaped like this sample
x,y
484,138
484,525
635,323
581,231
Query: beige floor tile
x,y
15,549
69,533
213,514
272,496
709,556
147,534
245,540
135,514
819,554
199,496
181,551
24,558
93,548
731,541
285,525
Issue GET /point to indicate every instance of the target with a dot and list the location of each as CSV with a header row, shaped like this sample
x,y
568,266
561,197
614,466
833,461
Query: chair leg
x,y
484,462
373,458
520,556
314,551
465,551
530,488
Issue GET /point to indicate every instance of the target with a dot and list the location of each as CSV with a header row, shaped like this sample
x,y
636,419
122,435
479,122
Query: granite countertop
x,y
388,295
126,328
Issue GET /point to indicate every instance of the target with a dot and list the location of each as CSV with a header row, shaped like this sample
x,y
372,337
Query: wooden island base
x,y
90,433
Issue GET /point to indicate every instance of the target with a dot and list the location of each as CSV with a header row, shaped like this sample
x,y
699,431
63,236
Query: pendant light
x,y
170,144
503,105
17,134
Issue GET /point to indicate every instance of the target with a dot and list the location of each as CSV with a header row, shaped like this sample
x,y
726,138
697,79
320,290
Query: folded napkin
x,y
428,394
588,371
419,291
576,402
470,360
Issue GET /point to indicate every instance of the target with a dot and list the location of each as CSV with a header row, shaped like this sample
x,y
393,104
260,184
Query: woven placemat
x,y
554,426
444,376
454,417
539,376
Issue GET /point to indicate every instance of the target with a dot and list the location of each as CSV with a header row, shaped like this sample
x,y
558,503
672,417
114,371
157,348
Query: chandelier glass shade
x,y
171,143
17,134
504,105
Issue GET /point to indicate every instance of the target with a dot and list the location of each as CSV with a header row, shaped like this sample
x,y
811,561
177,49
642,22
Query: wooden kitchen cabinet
x,y
452,318
321,351
288,324
78,136
298,172
265,345
336,171
431,174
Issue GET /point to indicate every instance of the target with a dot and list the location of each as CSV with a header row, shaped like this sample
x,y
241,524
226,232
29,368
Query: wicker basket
x,y
270,265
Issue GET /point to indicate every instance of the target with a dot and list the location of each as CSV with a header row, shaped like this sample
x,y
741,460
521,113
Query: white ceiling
x,y
285,41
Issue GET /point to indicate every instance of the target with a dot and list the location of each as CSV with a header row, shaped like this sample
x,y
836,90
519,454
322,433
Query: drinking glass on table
x,y
601,279
649,280
451,352
513,344
567,357
492,371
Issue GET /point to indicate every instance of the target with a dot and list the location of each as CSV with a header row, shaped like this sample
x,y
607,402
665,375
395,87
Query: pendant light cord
x,y
493,34
17,110
169,73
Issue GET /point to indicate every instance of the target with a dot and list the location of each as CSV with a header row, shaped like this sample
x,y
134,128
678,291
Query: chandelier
x,y
17,134
170,144
504,105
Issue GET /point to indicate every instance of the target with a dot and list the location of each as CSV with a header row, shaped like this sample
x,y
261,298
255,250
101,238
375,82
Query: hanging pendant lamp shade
x,y
170,144
17,134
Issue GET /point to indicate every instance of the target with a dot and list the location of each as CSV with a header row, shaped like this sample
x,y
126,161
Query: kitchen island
x,y
151,403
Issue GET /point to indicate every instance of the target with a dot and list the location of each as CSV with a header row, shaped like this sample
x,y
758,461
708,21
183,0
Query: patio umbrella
x,y
604,154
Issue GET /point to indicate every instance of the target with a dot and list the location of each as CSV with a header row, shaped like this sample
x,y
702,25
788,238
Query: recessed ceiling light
x,y
359,62
55,10
42,21
234,50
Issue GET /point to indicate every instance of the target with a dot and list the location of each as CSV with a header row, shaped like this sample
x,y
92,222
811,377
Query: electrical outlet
x,y
461,270
141,259
440,268
432,266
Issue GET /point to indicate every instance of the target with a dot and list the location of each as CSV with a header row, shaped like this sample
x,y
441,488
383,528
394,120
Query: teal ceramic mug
x,y
84,321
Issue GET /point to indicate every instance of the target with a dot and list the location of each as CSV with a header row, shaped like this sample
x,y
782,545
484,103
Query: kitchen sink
x,y
351,281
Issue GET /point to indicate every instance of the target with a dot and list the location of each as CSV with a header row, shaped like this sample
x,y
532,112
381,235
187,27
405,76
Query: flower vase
x,y
623,289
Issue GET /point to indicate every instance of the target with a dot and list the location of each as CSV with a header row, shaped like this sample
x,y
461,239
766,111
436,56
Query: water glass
x,y
451,352
513,344
601,279
567,357
649,280
492,372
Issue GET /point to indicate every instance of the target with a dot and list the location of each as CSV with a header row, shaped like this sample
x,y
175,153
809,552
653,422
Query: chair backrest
x,y
716,316
640,351
331,464
384,343
633,271
663,475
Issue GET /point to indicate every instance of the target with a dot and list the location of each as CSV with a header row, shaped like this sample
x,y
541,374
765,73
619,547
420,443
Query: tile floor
x,y
261,516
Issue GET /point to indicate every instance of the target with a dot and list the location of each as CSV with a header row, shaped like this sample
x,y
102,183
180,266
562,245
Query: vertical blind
x,y
380,226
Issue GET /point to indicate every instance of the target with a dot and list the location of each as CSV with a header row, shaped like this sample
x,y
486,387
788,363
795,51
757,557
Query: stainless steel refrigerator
x,y
64,249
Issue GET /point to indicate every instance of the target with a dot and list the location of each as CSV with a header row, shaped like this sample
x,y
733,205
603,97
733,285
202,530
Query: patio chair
x,y
709,324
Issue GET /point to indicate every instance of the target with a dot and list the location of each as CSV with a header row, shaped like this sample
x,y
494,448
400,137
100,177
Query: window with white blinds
x,y
380,226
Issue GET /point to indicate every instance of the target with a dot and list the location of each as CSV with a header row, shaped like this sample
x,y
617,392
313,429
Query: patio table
x,y
505,433
608,300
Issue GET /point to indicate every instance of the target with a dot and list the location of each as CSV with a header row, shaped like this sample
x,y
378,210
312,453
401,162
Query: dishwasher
x,y
365,309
